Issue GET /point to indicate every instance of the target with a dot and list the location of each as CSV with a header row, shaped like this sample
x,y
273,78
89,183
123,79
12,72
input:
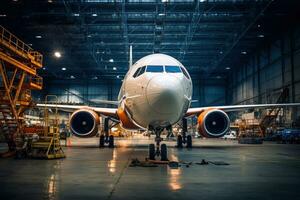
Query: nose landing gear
x,y
160,150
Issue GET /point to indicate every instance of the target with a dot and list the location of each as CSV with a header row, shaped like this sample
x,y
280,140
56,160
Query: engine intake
x,y
84,123
213,123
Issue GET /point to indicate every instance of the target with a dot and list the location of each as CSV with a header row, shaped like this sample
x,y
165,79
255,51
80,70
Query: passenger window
x,y
172,69
185,73
155,68
136,72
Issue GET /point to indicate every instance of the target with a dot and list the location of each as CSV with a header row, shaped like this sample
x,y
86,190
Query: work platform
x,y
18,77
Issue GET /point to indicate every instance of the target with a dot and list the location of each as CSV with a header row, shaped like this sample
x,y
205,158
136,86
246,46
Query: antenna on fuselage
x,y
130,56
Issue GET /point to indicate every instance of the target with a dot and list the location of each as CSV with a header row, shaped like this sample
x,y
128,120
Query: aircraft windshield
x,y
155,68
172,69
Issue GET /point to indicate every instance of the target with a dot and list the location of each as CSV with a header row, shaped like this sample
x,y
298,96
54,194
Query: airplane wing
x,y
194,111
111,112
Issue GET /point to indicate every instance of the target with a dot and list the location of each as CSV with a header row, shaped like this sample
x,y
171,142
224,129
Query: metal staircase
x,y
270,115
18,76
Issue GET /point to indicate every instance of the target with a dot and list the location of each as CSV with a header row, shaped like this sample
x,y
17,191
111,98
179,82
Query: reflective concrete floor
x,y
268,171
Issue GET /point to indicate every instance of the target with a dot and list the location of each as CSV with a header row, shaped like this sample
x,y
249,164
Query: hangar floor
x,y
268,171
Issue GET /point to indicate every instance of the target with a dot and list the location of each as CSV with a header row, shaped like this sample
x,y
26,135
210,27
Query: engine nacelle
x,y
84,123
213,123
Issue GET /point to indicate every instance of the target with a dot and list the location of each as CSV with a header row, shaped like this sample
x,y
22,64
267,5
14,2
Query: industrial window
x,y
141,71
155,68
136,72
172,69
185,73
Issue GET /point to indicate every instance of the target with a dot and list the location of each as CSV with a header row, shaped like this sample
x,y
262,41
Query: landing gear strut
x,y
159,150
183,138
106,138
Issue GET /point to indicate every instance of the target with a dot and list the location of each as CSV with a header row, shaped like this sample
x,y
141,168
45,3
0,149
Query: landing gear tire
x,y
179,141
163,152
189,141
151,152
101,141
111,141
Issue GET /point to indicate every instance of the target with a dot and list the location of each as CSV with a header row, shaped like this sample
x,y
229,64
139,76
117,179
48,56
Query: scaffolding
x,y
48,144
18,76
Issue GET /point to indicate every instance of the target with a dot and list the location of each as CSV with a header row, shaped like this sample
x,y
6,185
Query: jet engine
x,y
84,123
213,123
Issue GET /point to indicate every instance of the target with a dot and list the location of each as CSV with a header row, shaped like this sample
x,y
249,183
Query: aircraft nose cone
x,y
165,94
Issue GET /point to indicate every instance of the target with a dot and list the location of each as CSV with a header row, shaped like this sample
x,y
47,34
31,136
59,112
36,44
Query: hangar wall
x,y
206,92
274,66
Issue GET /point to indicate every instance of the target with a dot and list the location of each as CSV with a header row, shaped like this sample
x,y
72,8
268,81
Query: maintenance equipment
x,y
18,76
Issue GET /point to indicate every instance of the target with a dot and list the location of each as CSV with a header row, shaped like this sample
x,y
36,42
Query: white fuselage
x,y
159,95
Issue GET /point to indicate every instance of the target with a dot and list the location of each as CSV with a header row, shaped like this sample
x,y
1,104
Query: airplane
x,y
155,94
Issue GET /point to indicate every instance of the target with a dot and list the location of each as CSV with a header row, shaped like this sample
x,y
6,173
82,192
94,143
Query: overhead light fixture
x,y
44,68
164,1
218,77
97,52
30,44
114,68
63,68
118,76
244,52
2,15
111,60
95,78
161,14
76,14
221,52
258,25
50,1
228,68
38,36
72,77
57,54
261,36
94,15
89,36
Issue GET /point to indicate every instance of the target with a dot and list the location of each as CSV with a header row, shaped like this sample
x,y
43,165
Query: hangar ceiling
x,y
210,37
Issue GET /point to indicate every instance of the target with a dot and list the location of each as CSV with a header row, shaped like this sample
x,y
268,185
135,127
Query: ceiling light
x,y
111,60
89,36
244,52
228,68
221,52
261,36
38,36
72,77
44,68
95,78
64,69
164,1
76,14
94,15
114,68
2,15
218,77
30,44
97,52
50,1
57,54
161,14
258,25
118,76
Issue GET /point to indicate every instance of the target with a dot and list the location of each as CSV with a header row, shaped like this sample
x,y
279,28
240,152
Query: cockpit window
x,y
185,73
141,71
136,72
155,68
172,69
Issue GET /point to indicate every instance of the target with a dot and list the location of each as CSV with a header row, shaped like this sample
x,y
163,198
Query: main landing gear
x,y
158,150
183,138
106,138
